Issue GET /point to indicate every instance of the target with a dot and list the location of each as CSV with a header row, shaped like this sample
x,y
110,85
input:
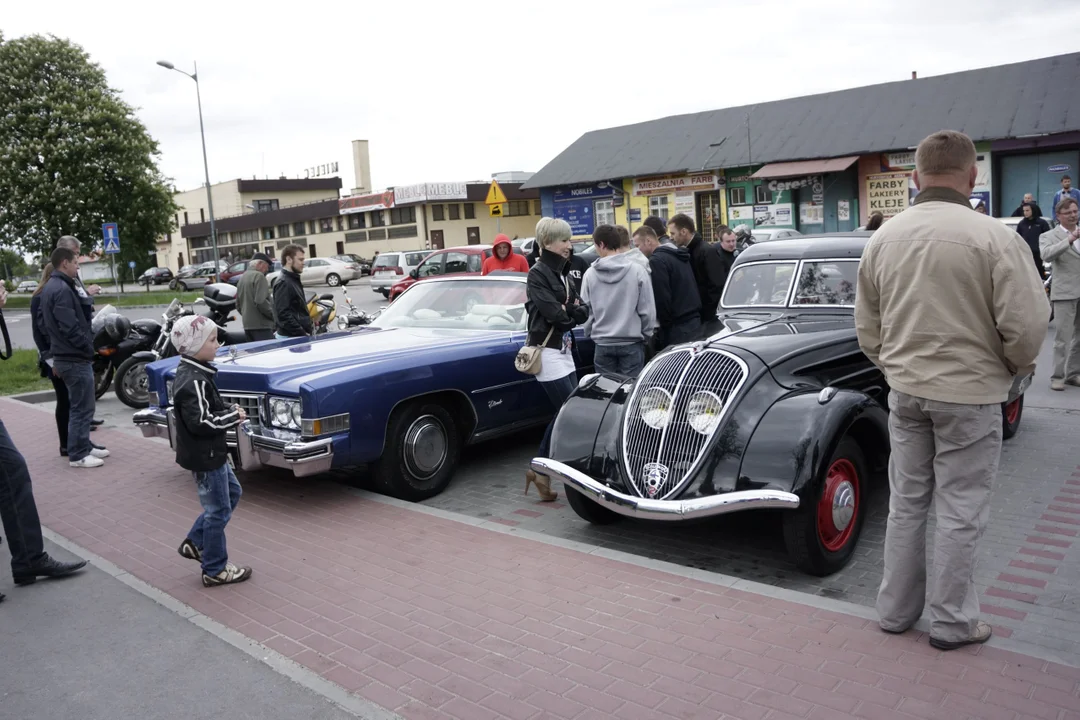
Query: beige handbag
x,y
527,359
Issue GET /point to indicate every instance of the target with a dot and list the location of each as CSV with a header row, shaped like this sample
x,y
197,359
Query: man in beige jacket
x,y
1061,248
950,308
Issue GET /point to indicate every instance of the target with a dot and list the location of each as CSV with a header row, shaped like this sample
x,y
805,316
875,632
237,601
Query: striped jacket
x,y
201,417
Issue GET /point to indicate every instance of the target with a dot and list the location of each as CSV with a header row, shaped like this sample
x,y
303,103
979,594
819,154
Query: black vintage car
x,y
777,407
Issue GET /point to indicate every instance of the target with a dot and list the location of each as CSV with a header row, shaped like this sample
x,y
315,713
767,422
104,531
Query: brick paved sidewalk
x,y
429,617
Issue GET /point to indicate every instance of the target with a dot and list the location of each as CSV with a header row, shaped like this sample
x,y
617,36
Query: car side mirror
x,y
415,273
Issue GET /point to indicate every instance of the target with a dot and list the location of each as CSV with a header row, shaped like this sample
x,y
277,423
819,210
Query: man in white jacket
x,y
1061,248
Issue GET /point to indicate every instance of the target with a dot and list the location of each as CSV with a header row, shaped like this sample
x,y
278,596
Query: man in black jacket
x,y
709,284
678,306
290,301
201,423
1029,199
72,345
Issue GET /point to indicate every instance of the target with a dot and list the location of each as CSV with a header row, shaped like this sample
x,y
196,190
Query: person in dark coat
x,y
1030,227
660,228
45,362
720,258
554,309
678,305
290,303
1029,199
709,284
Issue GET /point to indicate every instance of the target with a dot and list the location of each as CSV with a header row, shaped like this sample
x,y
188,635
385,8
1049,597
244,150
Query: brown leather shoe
x,y
982,633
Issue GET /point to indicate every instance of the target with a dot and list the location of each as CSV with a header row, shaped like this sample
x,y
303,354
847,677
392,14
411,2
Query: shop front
x,y
1036,166
812,196
584,206
887,183
699,195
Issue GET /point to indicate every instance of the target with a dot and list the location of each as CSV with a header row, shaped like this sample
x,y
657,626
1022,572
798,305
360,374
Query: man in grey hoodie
x,y
622,314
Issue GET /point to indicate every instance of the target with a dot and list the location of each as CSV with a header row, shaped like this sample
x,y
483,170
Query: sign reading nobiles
x,y
887,193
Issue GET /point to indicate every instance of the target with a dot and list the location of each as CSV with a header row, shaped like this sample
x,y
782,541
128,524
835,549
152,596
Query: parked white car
x,y
27,286
391,267
770,234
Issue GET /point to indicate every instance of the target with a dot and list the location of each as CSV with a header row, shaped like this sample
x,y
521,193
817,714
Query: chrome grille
x,y
250,404
658,461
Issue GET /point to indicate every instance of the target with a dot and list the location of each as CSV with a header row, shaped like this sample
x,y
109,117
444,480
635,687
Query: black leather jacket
x,y
549,304
290,306
201,417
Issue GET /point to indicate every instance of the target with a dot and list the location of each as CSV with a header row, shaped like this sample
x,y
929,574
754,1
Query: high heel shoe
x,y
543,486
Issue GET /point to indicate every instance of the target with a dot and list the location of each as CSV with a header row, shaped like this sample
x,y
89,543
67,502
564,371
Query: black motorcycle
x,y
132,385
116,339
354,317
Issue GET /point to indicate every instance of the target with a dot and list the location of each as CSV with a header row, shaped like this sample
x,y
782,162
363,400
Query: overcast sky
x,y
449,91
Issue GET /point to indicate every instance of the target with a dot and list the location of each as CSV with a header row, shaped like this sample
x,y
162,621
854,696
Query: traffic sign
x,y
131,264
112,238
495,196
496,211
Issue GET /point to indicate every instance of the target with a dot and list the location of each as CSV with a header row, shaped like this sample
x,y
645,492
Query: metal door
x,y
437,241
708,215
474,235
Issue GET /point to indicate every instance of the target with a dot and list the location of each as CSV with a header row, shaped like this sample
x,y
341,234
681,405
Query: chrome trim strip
x,y
504,385
641,508
507,429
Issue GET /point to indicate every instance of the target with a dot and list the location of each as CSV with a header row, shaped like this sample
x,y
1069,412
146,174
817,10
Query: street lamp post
x,y
206,168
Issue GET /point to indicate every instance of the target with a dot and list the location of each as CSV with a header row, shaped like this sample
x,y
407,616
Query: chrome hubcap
x,y
136,383
843,505
425,447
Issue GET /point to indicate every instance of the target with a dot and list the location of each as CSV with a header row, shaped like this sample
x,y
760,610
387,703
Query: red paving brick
x,y
433,618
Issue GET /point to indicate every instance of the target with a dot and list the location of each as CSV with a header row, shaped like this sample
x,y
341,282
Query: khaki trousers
x,y
948,453
1066,339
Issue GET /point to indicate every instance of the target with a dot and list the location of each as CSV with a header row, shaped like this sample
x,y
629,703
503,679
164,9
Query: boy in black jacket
x,y
201,422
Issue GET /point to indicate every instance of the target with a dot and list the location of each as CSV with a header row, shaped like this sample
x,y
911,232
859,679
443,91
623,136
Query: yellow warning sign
x,y
496,210
495,195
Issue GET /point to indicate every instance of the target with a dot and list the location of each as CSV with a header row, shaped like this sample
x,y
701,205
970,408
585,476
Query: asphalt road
x,y
89,647
18,321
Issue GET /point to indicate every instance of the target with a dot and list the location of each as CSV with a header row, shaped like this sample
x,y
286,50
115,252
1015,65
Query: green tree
x,y
73,155
12,265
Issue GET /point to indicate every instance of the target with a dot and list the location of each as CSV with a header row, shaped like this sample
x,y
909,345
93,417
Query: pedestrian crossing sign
x,y
111,235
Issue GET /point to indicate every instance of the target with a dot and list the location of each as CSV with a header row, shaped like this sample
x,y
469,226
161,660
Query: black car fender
x,y
798,434
586,431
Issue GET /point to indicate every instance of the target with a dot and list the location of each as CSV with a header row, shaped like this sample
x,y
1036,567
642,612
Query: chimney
x,y
361,166
914,75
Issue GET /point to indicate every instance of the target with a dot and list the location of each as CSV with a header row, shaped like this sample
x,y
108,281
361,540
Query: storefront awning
x,y
804,167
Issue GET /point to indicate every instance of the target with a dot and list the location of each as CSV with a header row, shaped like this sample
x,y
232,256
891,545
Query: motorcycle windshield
x,y
98,322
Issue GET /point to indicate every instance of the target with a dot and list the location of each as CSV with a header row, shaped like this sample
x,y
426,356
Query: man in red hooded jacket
x,y
504,258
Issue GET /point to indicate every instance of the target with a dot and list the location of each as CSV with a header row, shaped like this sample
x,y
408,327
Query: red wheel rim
x,y
1012,411
838,508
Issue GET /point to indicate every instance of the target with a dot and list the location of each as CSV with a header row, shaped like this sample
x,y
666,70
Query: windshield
x,y
827,282
759,284
386,260
469,305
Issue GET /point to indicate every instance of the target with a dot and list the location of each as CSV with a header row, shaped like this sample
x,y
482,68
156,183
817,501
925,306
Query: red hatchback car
x,y
464,260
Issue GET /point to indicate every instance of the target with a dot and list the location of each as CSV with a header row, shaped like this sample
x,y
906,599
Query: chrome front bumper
x,y
252,449
638,507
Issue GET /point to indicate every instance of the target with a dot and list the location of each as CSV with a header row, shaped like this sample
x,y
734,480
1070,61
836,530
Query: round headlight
x,y
655,408
295,414
342,322
280,410
703,412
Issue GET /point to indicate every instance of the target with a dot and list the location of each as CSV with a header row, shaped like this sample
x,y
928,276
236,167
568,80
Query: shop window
x,y
762,195
403,231
340,223
658,206
517,208
298,228
283,230
403,215
377,221
604,212
356,221
437,212
453,211
737,196
326,225
311,227
470,211
202,215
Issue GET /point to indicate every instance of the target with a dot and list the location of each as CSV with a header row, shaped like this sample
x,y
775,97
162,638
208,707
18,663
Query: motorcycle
x,y
116,339
132,386
355,317
322,309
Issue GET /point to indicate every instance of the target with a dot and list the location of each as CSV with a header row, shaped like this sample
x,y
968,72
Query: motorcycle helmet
x,y
117,327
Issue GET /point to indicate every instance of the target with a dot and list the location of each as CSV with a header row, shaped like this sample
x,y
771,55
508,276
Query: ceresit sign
x,y
667,184
782,185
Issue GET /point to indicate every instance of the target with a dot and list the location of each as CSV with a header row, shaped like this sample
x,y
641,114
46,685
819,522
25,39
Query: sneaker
x,y
87,462
99,452
982,633
1074,381
188,550
1057,384
231,574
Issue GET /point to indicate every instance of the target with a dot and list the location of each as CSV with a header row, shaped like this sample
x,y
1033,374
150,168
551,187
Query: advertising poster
x,y
888,193
740,213
579,213
843,210
777,215
684,203
811,214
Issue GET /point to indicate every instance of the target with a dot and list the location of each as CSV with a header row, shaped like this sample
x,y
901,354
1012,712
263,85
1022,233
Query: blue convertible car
x,y
433,373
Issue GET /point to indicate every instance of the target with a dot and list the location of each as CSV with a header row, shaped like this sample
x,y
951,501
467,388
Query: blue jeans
x,y
627,360
557,391
78,377
18,511
219,493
